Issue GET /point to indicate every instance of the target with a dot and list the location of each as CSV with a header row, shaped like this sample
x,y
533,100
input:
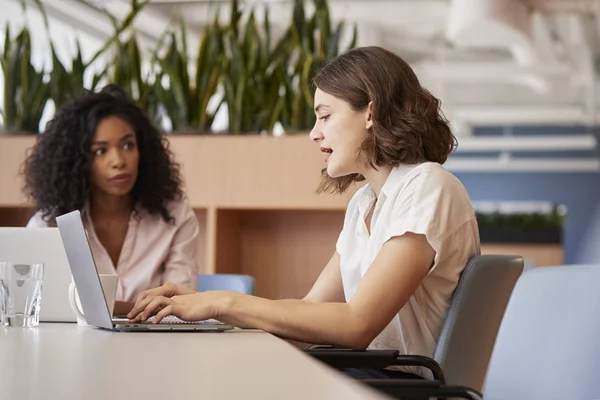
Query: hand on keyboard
x,y
171,319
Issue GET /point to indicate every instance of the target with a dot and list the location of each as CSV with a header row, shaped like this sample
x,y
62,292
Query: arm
x,y
393,277
180,265
327,288
396,273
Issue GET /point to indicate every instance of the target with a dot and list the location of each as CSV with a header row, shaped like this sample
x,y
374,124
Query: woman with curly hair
x,y
101,155
407,234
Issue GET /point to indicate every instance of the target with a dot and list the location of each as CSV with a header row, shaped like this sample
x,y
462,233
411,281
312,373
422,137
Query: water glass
x,y
20,294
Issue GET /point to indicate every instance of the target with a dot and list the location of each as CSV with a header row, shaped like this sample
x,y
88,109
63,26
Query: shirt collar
x,y
390,187
395,178
366,200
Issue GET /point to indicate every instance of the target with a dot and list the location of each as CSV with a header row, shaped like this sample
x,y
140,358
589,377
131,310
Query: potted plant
x,y
531,228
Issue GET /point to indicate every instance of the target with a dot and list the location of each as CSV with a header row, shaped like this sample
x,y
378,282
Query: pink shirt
x,y
154,251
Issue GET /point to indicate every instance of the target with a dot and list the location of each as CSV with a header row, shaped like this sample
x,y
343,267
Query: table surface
x,y
64,361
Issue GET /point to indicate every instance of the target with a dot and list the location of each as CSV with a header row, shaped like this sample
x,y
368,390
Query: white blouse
x,y
422,199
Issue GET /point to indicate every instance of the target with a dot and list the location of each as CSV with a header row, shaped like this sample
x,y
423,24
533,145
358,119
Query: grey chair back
x,y
476,310
548,345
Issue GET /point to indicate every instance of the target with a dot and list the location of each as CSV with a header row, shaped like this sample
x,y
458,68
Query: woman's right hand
x,y
166,290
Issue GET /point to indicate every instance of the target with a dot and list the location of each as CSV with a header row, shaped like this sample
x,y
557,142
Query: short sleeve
x,y
433,203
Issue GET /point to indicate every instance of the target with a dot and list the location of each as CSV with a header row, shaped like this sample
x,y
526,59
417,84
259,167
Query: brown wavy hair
x,y
408,125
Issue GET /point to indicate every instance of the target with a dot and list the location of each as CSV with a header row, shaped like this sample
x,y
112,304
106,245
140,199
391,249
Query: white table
x,y
64,362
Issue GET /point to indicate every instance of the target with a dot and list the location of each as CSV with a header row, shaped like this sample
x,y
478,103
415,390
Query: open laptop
x,y
42,245
93,302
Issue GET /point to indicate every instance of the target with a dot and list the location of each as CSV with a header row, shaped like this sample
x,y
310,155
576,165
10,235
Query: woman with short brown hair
x,y
407,235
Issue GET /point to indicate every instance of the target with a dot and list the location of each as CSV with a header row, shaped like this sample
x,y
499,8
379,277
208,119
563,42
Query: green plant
x,y
127,67
260,81
253,74
314,43
65,84
520,220
68,81
186,98
25,90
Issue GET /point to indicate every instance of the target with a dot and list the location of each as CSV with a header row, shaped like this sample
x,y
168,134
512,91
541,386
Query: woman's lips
x,y
120,179
328,151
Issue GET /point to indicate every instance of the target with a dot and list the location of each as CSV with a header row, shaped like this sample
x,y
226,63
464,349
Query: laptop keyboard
x,y
171,319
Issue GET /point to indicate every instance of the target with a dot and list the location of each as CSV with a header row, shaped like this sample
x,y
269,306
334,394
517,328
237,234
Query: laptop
x,y
93,302
42,245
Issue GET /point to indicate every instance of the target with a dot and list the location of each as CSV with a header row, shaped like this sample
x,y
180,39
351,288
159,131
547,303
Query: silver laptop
x,y
42,245
93,302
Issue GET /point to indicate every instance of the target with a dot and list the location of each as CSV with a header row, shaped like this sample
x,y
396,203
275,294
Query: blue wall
x,y
579,192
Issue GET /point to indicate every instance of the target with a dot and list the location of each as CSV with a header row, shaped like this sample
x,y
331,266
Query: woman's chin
x,y
334,172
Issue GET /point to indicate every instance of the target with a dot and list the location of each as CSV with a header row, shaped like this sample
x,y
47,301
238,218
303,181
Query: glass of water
x,y
20,294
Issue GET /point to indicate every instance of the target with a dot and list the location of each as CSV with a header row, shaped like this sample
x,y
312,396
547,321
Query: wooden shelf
x,y
284,250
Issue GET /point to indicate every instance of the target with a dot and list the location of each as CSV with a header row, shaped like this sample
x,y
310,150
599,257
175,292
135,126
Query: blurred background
x,y
230,83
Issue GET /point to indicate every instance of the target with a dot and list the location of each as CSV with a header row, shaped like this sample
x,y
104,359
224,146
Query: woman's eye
x,y
98,152
129,146
324,117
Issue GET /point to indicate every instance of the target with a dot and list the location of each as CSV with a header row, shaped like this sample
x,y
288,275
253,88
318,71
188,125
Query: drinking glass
x,y
20,294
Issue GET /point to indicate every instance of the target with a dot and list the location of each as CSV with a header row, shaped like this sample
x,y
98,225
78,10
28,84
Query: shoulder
x,y
38,221
431,176
181,211
432,181
433,196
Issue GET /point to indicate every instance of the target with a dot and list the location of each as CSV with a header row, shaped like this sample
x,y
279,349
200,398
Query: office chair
x,y
234,282
469,331
548,344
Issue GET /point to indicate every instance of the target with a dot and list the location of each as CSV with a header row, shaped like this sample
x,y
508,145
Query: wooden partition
x,y
255,200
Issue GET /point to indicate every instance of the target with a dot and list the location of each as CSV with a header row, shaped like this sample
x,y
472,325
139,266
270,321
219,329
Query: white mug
x,y
109,284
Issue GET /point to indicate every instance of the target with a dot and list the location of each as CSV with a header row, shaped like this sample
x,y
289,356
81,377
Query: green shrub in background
x,y
25,90
313,42
235,64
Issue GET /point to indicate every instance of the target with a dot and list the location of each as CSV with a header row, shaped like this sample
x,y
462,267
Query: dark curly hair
x,y
57,170
408,126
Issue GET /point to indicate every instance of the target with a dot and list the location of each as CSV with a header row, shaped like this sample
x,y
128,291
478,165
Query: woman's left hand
x,y
189,307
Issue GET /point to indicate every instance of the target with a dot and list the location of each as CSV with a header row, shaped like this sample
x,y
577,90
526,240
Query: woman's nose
x,y
117,159
315,135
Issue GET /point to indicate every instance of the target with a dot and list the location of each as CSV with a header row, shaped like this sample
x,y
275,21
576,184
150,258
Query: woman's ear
x,y
369,115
